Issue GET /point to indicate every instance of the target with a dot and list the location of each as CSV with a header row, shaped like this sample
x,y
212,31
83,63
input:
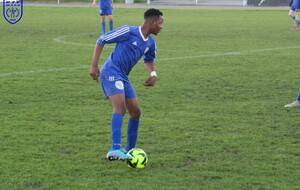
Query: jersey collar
x,y
140,29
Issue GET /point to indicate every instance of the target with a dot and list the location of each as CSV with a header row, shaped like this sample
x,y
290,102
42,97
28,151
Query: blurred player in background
x,y
106,9
294,104
132,42
294,13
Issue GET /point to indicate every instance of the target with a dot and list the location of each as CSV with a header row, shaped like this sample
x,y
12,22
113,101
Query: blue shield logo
x,y
12,10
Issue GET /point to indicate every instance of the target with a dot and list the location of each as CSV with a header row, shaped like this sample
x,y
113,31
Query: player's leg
x,y
293,13
102,15
114,90
119,109
296,22
103,25
109,13
133,122
134,116
298,97
111,22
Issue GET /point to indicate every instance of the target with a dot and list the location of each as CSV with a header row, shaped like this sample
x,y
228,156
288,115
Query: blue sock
x,y
132,133
298,97
103,27
116,131
111,25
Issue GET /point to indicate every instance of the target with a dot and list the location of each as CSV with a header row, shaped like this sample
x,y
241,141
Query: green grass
x,y
215,120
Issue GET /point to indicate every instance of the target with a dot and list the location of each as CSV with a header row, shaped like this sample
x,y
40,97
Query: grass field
x,y
215,119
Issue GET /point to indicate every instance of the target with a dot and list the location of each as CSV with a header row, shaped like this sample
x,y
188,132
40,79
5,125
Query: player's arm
x,y
149,59
113,36
94,2
112,3
94,71
153,76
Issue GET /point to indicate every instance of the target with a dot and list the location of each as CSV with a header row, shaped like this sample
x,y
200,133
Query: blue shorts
x,y
295,8
105,11
112,84
295,5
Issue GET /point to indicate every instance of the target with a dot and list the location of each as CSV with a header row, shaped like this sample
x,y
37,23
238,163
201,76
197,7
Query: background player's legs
x,y
291,14
103,24
111,22
133,122
296,22
294,15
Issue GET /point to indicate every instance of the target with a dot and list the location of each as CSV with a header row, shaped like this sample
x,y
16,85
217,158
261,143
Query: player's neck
x,y
145,30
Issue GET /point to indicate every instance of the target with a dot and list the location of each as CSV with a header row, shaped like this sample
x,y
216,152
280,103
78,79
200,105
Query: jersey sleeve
x,y
114,36
149,56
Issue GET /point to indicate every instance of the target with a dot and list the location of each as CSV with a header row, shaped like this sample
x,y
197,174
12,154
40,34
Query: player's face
x,y
157,25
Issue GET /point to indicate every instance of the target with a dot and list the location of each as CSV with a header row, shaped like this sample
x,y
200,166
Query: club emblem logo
x,y
119,85
12,10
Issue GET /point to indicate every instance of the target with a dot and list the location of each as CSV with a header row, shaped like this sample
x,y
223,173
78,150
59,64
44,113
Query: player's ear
x,y
152,21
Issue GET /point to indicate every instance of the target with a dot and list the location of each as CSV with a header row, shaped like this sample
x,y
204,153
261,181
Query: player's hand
x,y
95,73
150,81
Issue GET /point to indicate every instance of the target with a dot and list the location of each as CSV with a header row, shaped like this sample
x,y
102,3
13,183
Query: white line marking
x,y
42,71
230,53
199,56
60,40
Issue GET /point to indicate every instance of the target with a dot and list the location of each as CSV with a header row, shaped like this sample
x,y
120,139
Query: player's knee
x,y
135,114
120,110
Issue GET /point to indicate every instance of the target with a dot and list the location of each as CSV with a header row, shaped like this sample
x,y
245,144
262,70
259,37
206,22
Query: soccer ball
x,y
139,158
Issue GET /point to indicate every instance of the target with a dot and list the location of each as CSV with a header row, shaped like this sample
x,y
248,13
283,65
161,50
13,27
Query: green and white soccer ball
x,y
139,158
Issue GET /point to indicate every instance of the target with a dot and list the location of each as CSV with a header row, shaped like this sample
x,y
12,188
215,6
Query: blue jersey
x,y
130,47
105,4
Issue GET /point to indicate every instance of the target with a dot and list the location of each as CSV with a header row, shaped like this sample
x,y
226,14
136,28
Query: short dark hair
x,y
152,13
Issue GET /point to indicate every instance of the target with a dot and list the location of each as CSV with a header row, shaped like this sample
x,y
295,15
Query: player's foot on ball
x,y
117,155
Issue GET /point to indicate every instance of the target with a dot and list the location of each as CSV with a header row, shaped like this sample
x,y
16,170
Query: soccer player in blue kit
x,y
132,43
106,9
294,13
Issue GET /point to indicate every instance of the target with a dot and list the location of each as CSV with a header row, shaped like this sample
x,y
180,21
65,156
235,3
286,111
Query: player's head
x,y
155,19
152,14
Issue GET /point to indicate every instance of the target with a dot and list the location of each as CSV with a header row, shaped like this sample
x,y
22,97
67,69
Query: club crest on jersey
x,y
119,85
12,10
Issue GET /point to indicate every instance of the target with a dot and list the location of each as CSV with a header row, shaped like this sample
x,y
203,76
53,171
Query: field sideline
x,y
141,5
215,119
